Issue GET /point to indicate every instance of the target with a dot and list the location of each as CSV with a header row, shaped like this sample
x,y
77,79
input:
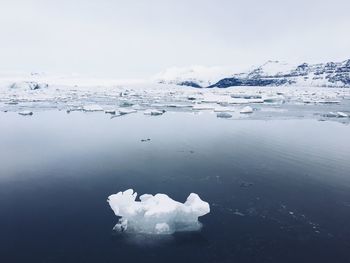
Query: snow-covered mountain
x,y
271,73
194,76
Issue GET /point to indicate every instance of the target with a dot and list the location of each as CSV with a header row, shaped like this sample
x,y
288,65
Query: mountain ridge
x,y
272,73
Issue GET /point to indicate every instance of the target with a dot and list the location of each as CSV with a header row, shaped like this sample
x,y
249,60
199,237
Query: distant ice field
x,y
156,99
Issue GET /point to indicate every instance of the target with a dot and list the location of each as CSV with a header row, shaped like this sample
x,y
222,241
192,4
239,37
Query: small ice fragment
x,y
342,114
331,114
25,113
238,213
110,111
247,109
126,104
154,112
126,111
272,99
156,214
223,115
92,107
223,109
31,85
203,107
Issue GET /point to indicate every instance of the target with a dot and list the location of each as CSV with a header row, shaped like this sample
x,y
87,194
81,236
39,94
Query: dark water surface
x,y
279,190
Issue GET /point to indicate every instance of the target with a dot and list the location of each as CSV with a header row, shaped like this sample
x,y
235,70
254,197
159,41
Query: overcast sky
x,y
137,38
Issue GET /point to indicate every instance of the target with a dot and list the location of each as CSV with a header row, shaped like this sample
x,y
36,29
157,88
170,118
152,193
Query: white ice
x,y
342,114
156,214
153,112
247,109
92,107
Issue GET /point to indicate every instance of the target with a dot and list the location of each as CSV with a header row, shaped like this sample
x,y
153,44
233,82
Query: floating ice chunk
x,y
153,112
223,109
126,104
156,214
92,107
31,85
223,115
245,101
111,111
25,113
179,106
331,114
272,99
246,96
126,111
328,101
203,107
338,114
342,114
247,109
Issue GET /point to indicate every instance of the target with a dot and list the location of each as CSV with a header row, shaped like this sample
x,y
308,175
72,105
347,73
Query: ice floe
x,y
156,214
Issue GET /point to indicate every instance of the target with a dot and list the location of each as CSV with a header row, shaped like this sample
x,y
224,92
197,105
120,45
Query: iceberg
x,y
156,214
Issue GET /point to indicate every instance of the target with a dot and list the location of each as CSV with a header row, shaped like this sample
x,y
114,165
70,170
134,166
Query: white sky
x,y
137,38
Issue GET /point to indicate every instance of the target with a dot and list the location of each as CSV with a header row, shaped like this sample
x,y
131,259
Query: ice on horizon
x,y
156,214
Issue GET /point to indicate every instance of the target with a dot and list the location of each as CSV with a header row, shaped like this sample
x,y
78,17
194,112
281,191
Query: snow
x,y
247,109
272,68
201,75
156,214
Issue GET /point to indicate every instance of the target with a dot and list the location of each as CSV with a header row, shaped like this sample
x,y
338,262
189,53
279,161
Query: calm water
x,y
279,190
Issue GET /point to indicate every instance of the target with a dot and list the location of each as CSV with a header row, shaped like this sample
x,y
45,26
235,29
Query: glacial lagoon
x,y
278,188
